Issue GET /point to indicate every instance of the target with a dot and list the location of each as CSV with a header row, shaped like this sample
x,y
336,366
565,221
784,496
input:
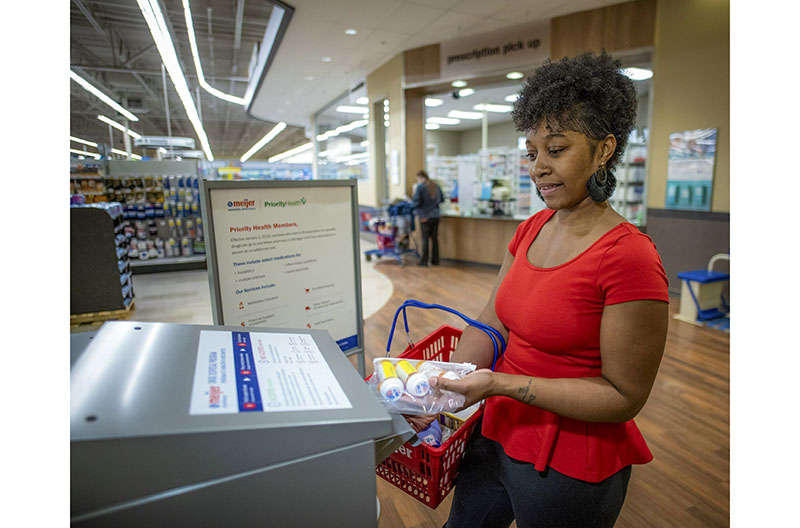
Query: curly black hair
x,y
587,94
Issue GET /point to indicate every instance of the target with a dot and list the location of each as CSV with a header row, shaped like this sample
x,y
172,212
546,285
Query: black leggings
x,y
493,489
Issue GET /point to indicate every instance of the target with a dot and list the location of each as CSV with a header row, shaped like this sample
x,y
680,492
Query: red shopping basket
x,y
424,472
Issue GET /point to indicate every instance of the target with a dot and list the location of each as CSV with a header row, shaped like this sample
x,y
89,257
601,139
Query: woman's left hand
x,y
475,386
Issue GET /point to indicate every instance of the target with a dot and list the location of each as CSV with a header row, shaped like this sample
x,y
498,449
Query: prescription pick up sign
x,y
284,257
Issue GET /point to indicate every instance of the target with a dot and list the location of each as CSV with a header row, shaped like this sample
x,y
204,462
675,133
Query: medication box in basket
x,y
424,472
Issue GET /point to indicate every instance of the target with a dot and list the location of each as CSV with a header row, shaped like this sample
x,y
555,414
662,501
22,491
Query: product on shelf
x,y
162,211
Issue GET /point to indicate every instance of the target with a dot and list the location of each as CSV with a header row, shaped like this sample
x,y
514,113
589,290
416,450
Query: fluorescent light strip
x,y
489,107
269,136
464,115
345,109
187,12
118,126
351,157
466,92
432,126
158,29
289,153
94,155
342,129
511,98
443,120
83,141
123,153
103,97
433,102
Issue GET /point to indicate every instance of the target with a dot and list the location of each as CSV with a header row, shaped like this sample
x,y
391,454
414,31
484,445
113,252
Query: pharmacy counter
x,y
479,239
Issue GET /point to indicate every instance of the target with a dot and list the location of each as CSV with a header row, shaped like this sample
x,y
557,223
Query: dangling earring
x,y
601,184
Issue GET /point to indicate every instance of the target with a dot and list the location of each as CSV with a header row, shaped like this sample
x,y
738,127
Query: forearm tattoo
x,y
525,396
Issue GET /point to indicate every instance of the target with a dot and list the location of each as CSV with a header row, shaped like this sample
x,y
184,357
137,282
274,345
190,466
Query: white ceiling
x,y
385,28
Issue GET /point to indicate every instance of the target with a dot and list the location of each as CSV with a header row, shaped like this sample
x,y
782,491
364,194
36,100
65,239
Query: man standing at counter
x,y
427,197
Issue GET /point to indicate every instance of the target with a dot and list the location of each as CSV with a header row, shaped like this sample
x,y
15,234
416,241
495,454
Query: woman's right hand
x,y
419,423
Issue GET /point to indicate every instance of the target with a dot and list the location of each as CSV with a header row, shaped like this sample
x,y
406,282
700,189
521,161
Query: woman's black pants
x,y
493,489
430,231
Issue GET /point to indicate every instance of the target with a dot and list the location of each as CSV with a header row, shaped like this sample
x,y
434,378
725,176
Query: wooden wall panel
x,y
415,136
630,25
421,64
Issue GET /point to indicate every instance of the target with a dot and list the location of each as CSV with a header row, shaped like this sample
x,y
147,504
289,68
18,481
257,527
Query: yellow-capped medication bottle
x,y
416,383
389,385
431,370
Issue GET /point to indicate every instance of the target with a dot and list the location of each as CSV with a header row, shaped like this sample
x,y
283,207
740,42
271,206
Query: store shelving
x,y
161,213
444,171
629,197
87,181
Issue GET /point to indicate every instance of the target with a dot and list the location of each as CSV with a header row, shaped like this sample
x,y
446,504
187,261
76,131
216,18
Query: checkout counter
x,y
155,441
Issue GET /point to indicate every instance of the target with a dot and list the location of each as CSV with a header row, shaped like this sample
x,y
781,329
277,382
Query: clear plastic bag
x,y
403,385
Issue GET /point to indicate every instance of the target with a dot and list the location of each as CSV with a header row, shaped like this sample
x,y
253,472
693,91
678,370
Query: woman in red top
x,y
581,298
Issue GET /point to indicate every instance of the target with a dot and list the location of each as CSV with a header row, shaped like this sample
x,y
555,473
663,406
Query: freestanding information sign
x,y
284,254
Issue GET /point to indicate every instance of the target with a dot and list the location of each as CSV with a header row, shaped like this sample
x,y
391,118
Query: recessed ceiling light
x,y
511,98
326,59
432,126
638,74
362,100
458,84
466,92
464,115
432,101
515,75
350,31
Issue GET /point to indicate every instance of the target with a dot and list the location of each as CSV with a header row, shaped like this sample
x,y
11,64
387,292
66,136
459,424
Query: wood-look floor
x,y
685,422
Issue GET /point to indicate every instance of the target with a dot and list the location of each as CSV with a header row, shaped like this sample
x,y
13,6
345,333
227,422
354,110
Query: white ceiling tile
x,y
451,25
385,42
411,19
482,7
526,11
441,4
369,13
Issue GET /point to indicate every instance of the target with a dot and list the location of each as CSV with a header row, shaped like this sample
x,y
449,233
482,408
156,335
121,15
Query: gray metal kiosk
x,y
139,458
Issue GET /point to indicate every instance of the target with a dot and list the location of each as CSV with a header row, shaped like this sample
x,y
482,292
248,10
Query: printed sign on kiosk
x,y
284,254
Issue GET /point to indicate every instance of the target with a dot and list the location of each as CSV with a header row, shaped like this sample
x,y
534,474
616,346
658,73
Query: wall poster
x,y
690,169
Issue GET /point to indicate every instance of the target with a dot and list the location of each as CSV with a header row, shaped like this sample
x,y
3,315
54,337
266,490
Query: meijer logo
x,y
242,203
